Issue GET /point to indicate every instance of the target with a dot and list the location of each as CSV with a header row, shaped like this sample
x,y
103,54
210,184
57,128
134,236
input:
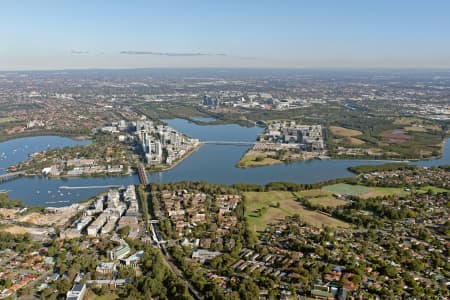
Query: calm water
x,y
203,119
53,192
213,163
216,163
229,132
14,151
44,191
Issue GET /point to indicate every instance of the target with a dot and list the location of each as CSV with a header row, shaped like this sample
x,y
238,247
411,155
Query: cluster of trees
x,y
290,186
391,212
158,282
239,233
202,186
246,288
353,212
42,132
5,202
417,145
16,242
380,168
95,150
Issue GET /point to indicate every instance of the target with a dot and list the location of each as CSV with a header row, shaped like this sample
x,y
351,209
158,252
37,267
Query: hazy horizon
x,y
99,34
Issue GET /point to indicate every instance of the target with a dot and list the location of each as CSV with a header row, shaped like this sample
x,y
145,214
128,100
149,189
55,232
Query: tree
x,y
124,231
248,289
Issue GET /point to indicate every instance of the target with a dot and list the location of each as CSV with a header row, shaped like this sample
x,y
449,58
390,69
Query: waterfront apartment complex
x,y
162,144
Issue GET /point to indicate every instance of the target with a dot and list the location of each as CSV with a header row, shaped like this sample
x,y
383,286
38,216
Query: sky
x,y
75,34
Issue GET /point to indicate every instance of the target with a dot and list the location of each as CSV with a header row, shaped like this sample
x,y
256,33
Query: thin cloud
x,y
170,53
78,52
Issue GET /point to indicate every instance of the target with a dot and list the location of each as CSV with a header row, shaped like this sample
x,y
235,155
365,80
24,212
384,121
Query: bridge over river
x,y
9,176
237,143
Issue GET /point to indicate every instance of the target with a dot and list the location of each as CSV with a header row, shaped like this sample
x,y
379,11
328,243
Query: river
x,y
14,151
212,163
48,191
216,163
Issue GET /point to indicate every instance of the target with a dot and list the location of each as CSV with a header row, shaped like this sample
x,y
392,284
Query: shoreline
x,y
196,148
371,159
178,161
76,137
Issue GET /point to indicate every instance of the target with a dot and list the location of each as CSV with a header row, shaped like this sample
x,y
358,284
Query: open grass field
x,y
407,121
412,124
351,141
433,189
321,197
415,129
363,191
250,159
14,229
6,119
263,208
355,141
341,131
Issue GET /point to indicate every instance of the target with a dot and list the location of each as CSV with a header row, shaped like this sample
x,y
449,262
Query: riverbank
x,y
26,134
175,163
254,159
257,158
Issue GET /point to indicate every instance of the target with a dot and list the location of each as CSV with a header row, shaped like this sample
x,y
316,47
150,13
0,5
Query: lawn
x,y
432,188
346,189
6,119
256,159
350,140
321,197
263,208
415,129
407,121
363,191
341,131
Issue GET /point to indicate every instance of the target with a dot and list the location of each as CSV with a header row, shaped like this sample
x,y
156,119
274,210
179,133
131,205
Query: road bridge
x,y
237,143
142,174
12,175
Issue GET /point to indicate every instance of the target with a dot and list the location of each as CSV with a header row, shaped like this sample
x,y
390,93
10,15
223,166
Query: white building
x,y
77,292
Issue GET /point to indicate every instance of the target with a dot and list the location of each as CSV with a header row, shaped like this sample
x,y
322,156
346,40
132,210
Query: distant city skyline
x,y
50,35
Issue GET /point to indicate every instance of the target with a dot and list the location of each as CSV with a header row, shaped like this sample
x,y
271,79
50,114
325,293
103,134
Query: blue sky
x,y
93,34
